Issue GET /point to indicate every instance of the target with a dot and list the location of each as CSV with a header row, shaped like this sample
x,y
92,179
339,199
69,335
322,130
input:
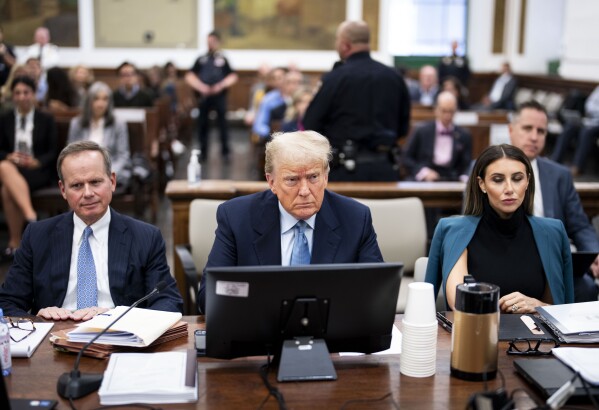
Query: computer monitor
x,y
251,311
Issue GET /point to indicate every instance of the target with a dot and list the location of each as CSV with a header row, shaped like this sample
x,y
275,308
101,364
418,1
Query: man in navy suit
x,y
259,229
128,255
555,195
439,150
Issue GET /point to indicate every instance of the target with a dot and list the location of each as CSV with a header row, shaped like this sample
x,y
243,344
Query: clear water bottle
x,y
5,358
194,168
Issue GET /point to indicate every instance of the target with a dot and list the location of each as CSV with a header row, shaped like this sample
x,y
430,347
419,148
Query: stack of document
x,y
138,328
60,342
27,345
574,322
166,377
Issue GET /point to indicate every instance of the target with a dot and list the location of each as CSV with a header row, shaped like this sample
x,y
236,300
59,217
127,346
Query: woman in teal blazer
x,y
499,241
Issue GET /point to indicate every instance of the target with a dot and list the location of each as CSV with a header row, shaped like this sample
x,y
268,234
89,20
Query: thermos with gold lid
x,y
475,331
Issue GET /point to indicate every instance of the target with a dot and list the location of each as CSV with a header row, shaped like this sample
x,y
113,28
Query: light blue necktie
x,y
300,255
87,288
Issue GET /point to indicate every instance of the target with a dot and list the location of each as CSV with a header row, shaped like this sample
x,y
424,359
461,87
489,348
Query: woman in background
x,y
81,78
499,241
28,150
61,95
97,123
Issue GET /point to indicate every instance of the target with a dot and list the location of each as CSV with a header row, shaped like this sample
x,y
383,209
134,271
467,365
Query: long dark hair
x,y
474,195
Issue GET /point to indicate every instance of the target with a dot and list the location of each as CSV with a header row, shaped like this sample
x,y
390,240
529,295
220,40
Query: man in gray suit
x,y
555,195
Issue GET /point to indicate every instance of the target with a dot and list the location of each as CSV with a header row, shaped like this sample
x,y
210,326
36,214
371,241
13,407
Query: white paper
x,y
581,359
26,347
147,378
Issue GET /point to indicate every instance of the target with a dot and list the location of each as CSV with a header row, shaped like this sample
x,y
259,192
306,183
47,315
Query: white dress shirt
x,y
24,135
98,243
538,202
288,234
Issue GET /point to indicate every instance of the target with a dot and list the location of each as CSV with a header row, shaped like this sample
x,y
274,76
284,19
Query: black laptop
x,y
548,375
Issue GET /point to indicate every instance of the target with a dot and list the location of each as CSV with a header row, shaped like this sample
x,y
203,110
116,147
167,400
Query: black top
x,y
361,100
504,252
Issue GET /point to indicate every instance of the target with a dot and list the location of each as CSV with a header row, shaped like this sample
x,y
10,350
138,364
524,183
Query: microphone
x,y
73,384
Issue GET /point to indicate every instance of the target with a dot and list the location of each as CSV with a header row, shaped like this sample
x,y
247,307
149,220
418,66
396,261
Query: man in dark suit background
x,y
439,150
262,228
127,258
555,195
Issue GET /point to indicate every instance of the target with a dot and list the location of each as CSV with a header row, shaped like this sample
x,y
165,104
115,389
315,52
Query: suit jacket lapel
x,y
119,244
62,238
264,216
326,241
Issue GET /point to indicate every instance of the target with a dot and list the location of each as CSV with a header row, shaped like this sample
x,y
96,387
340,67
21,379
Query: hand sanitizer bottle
x,y
194,168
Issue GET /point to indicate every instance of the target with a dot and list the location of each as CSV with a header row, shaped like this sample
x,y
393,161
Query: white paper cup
x,y
420,306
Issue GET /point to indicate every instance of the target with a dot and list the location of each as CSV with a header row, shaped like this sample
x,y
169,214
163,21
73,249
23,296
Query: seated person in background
x,y
295,112
7,58
584,134
425,90
501,96
454,86
275,104
555,195
27,156
439,150
91,259
152,80
97,123
61,95
257,92
34,70
81,78
129,92
499,241
297,221
17,70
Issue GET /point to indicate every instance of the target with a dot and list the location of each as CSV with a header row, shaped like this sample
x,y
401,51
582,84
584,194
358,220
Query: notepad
x,y
165,377
27,346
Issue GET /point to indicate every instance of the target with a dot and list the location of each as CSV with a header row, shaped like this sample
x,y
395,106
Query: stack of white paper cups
x,y
419,332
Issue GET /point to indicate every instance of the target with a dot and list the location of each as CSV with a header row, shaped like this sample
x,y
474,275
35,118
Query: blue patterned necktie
x,y
300,255
87,288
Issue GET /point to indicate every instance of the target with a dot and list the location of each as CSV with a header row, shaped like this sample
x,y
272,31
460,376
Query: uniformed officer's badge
x,y
203,59
219,61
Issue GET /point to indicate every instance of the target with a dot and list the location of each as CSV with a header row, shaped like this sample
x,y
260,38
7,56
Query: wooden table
x,y
232,384
445,195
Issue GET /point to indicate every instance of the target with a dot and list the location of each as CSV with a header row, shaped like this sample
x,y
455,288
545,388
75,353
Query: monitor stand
x,y
305,359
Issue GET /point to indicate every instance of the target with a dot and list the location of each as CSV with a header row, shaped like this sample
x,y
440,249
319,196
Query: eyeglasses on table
x,y
523,346
20,328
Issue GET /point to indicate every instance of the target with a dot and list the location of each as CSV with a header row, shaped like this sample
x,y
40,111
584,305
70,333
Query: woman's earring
x,y
484,192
